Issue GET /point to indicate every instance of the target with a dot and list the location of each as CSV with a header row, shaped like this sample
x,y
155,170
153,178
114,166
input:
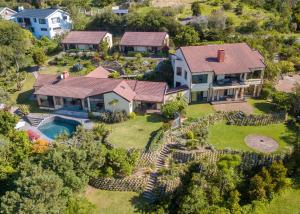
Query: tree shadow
x,y
265,107
290,136
140,205
152,135
154,118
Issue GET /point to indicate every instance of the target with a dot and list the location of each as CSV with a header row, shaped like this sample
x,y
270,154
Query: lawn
x,y
287,202
135,133
226,136
112,202
198,110
261,106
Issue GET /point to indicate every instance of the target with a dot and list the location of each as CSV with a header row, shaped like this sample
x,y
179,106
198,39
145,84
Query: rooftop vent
x,y
221,55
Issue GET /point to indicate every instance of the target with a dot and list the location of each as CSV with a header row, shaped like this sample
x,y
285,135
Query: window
x,y
65,17
199,79
57,28
197,96
42,21
44,29
178,84
20,20
31,29
55,20
34,19
254,75
185,74
179,71
97,103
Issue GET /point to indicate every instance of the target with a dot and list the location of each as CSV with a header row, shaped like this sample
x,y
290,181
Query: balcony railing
x,y
227,82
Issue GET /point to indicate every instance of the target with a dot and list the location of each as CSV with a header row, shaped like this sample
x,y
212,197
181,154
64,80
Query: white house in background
x,y
6,13
44,22
214,73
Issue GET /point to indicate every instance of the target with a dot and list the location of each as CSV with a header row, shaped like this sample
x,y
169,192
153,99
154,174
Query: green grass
x,y
261,106
112,202
287,202
135,133
198,110
226,136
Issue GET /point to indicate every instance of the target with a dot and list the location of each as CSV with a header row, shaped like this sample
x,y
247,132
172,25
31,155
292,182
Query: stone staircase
x,y
149,193
34,121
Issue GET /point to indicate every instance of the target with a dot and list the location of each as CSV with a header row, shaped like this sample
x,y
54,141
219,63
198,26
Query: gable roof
x,y
99,72
2,9
82,87
84,37
239,58
36,13
154,39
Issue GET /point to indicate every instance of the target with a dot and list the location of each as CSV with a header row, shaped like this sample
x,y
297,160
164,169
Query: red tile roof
x,y
148,39
44,79
82,87
84,37
99,72
239,58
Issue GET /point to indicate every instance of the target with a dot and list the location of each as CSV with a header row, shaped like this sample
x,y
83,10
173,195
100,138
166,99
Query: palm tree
x,y
113,103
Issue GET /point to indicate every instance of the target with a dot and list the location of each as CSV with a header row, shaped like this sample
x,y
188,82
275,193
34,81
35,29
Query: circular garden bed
x,y
261,143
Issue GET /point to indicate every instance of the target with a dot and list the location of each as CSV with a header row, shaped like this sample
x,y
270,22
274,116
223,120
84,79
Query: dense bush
x,y
7,122
113,117
77,67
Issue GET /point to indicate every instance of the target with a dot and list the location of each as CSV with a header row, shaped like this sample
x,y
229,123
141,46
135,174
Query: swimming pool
x,y
55,126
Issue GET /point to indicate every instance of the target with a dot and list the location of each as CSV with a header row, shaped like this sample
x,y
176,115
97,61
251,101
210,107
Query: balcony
x,y
229,83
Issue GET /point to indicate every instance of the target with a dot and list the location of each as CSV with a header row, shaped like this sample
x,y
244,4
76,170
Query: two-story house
x,y
44,22
226,72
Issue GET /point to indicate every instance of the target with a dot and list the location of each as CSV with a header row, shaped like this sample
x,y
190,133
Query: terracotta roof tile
x,y
150,39
99,72
84,37
81,87
239,58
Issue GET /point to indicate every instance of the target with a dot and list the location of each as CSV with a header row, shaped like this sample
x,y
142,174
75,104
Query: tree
x,y
36,190
39,56
7,122
272,71
257,188
286,67
80,205
178,105
104,47
187,36
282,101
196,8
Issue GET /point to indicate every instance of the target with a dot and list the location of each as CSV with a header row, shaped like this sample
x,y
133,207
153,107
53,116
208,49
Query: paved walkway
x,y
244,107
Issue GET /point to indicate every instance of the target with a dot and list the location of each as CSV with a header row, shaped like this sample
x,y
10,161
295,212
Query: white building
x,y
44,22
6,13
213,73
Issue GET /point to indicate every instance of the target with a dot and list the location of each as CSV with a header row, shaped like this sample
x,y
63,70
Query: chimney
x,y
64,75
221,55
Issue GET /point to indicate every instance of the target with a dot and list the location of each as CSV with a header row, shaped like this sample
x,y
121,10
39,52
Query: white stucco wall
x,y
170,97
65,25
108,38
120,106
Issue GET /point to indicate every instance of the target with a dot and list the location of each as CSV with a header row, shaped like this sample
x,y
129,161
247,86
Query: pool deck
x,y
86,123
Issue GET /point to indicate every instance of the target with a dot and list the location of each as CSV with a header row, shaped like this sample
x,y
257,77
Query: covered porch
x,y
89,104
229,93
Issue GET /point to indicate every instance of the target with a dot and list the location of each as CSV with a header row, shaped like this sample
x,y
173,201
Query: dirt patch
x,y
244,107
170,3
261,143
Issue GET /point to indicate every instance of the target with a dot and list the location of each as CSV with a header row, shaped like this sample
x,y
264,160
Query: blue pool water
x,y
57,126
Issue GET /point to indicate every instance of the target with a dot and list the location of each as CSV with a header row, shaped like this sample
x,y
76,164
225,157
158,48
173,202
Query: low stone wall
x,y
125,184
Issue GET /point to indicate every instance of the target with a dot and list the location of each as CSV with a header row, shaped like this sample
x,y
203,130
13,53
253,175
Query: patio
x,y
239,106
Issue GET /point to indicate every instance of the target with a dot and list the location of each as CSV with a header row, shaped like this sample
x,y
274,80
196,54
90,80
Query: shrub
x,y
190,135
166,126
192,143
267,91
227,6
91,116
24,109
132,115
155,143
7,122
77,67
40,146
113,117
